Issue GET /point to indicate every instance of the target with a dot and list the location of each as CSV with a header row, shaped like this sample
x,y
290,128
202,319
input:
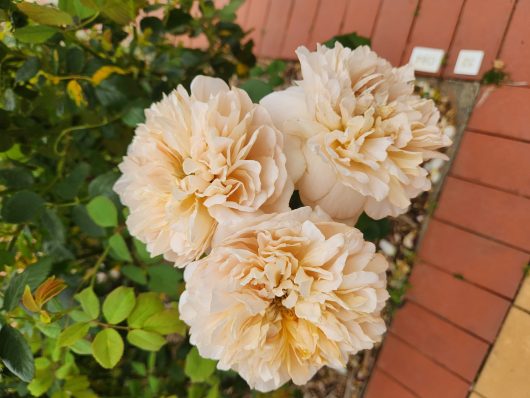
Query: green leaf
x,y
34,34
16,178
351,40
52,226
198,369
81,347
107,348
103,185
149,341
28,69
119,304
16,354
45,15
52,330
103,212
135,274
143,254
120,11
41,383
69,187
38,272
87,225
76,8
178,21
89,302
165,322
147,304
134,116
139,368
256,89
80,316
15,290
373,230
228,12
73,333
164,278
6,257
23,206
119,249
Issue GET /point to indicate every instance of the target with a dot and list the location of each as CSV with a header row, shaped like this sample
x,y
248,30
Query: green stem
x,y
97,265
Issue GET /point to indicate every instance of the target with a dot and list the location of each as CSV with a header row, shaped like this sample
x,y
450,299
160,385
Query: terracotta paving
x,y
471,260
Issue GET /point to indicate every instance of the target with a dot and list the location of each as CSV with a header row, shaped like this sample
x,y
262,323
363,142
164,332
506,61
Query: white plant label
x,y
426,59
469,62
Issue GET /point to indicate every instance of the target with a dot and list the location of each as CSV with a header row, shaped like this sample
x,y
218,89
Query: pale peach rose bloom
x,y
356,134
199,160
283,295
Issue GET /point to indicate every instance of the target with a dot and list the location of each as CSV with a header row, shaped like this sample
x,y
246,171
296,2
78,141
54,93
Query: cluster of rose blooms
x,y
275,293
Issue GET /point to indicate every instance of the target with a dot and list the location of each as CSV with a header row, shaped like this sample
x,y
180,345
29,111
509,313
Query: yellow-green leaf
x,y
102,211
104,72
45,15
165,322
119,304
89,302
107,348
149,341
197,368
73,333
119,249
29,301
147,304
75,92
81,347
34,33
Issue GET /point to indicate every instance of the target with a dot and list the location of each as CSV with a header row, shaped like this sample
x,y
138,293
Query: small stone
x,y
408,240
449,131
388,248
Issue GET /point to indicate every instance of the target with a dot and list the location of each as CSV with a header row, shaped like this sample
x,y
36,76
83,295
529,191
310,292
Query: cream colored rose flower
x,y
198,160
283,295
356,134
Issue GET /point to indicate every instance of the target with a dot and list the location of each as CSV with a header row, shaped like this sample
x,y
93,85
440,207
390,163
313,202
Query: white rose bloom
x,y
282,295
199,160
356,134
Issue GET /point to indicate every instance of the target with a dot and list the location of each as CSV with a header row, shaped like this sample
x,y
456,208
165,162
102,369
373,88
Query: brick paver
x,y
256,17
487,211
297,33
506,372
481,27
494,161
418,372
360,17
383,386
503,111
463,304
427,31
328,21
392,28
478,260
275,27
516,49
440,340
